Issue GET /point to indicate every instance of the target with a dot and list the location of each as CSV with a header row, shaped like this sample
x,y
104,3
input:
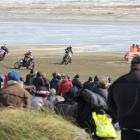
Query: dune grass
x,y
22,125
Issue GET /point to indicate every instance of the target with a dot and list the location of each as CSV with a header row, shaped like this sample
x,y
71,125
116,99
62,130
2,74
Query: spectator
x,y
21,82
30,77
13,94
55,82
88,84
64,86
52,96
46,81
52,82
1,80
96,80
124,101
76,81
102,88
37,80
39,99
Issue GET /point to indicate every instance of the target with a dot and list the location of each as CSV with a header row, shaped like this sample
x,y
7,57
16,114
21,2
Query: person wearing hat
x,y
13,94
124,101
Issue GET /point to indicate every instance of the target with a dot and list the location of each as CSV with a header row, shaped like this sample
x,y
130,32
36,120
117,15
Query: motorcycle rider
x,y
27,57
69,52
3,50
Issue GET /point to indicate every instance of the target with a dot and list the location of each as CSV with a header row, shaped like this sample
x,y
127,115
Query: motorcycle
x,y
4,50
66,59
29,63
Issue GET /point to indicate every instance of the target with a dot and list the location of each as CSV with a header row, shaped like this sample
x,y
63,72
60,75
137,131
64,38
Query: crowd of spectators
x,y
63,95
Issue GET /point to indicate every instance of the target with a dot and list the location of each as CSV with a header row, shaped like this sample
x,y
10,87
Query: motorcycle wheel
x,y
62,62
1,58
66,61
17,65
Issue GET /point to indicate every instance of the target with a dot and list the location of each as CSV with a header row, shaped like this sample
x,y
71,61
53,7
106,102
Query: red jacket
x,y
64,87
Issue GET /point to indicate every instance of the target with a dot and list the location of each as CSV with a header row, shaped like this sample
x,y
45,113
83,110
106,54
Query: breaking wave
x,y
94,2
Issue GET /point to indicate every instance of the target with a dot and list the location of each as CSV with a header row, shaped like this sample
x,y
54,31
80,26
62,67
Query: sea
x,y
97,33
97,2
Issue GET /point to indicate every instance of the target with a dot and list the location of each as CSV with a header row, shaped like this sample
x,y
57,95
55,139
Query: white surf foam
x,y
94,2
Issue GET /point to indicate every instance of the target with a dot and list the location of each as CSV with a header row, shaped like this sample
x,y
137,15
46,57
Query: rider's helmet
x,y
30,52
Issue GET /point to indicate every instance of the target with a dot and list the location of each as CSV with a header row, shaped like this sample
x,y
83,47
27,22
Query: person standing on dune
x,y
124,101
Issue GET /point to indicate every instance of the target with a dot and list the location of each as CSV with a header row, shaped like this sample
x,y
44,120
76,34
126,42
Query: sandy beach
x,y
84,63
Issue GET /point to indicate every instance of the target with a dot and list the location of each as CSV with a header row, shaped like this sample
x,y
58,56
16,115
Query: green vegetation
x,y
22,125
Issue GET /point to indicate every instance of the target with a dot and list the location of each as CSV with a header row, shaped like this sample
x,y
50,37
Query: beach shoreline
x,y
54,49
84,26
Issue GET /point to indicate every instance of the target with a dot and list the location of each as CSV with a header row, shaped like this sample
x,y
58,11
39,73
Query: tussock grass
x,y
22,125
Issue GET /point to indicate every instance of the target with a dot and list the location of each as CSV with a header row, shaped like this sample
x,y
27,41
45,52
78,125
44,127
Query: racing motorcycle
x,y
29,63
66,59
3,51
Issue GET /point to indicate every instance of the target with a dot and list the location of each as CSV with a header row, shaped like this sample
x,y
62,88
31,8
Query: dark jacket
x,y
95,100
88,85
38,82
88,101
67,108
47,83
76,82
124,99
72,92
102,92
55,83
29,78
